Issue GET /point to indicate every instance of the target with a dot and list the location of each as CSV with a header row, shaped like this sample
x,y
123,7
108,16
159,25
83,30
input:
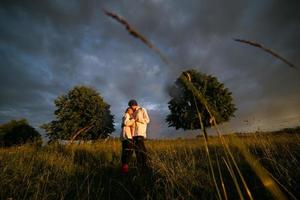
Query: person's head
x,y
132,104
129,111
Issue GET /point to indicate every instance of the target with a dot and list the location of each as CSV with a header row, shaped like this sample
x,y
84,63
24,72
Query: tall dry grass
x,y
178,170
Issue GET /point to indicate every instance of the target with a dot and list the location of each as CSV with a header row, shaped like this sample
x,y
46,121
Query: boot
x,y
124,169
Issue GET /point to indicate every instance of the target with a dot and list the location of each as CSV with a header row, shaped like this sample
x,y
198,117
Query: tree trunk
x,y
84,129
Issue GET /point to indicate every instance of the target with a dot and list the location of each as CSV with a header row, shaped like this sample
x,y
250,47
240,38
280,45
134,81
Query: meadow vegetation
x,y
178,169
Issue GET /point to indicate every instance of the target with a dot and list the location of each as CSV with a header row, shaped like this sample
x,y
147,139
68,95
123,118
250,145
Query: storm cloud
x,y
48,47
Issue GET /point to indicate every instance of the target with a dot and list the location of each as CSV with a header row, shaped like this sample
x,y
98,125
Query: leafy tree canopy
x,y
81,114
17,132
183,104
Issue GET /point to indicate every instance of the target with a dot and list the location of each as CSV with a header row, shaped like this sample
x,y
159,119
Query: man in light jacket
x,y
141,120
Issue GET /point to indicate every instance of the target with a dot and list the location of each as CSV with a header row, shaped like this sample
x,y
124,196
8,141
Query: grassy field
x,y
179,169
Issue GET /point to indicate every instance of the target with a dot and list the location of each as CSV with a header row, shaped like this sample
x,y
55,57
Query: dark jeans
x,y
127,150
140,151
138,145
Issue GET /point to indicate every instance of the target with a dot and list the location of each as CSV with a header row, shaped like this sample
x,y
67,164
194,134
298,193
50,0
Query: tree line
x,y
83,114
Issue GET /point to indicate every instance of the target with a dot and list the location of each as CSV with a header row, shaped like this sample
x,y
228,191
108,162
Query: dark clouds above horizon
x,y
47,47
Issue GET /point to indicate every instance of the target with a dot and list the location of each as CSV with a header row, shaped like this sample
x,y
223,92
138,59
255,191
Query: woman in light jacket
x,y
128,128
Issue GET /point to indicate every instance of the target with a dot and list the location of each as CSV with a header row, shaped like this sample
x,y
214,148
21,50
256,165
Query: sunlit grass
x,y
178,170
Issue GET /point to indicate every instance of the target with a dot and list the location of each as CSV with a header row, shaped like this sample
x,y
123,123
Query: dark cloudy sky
x,y
49,46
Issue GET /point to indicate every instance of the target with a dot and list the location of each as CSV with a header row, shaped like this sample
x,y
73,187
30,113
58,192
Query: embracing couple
x,y
134,126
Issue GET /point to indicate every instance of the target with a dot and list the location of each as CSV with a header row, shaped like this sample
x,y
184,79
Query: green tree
x,y
18,132
81,114
191,91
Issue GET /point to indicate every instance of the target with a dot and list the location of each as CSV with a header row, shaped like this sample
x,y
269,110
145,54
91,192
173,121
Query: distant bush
x,y
18,132
294,130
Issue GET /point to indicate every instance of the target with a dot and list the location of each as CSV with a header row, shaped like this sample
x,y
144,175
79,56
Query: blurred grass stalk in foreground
x,y
260,171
